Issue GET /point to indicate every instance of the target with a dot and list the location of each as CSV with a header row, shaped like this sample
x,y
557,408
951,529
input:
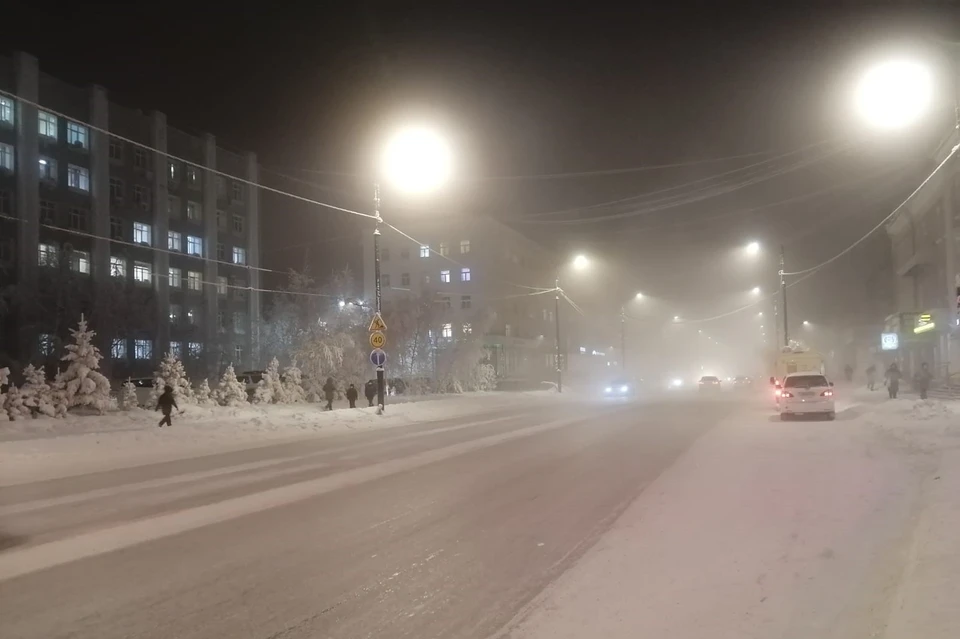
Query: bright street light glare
x,y
894,93
581,262
755,290
753,248
806,323
639,296
416,159
760,314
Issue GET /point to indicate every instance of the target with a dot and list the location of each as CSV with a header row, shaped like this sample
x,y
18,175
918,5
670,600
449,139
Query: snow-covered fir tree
x,y
231,391
171,373
293,392
128,396
203,394
270,389
14,404
36,392
82,384
4,379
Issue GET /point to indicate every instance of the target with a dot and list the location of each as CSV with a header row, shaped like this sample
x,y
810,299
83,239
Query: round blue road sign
x,y
378,357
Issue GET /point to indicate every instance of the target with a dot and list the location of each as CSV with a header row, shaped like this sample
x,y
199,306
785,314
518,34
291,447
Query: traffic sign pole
x,y
376,274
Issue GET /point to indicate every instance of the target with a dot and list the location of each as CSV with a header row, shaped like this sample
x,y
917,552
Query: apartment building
x,y
161,251
475,269
925,238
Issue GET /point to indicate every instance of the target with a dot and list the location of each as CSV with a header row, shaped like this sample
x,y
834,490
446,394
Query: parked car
x,y
806,394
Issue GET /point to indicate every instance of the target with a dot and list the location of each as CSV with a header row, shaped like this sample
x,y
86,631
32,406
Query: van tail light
x,y
786,394
826,393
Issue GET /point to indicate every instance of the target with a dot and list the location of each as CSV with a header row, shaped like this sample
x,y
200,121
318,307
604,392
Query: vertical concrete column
x,y
253,259
27,86
161,224
100,184
210,267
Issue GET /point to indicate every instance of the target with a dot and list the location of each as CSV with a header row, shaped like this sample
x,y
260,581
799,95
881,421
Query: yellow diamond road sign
x,y
377,324
377,339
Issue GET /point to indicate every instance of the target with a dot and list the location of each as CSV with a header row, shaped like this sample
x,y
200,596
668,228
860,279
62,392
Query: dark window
x,y
78,220
116,228
5,203
116,150
140,159
48,212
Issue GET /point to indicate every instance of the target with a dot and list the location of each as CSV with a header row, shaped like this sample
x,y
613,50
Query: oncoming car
x,y
709,383
618,388
806,394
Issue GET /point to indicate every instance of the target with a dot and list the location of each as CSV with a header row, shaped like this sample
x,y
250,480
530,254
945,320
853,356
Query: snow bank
x,y
761,529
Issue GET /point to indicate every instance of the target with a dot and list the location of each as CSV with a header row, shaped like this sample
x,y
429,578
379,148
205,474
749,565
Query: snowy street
x,y
546,517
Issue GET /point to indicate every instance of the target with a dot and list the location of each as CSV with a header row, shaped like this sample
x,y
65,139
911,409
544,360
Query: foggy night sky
x,y
551,88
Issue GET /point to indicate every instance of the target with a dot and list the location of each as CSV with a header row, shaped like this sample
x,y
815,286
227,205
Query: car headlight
x,y
607,390
624,388
677,383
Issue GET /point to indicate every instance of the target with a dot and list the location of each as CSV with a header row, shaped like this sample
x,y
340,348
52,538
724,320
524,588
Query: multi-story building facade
x,y
475,269
156,230
925,237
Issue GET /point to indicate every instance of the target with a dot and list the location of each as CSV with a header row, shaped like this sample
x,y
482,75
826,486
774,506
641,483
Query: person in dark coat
x,y
352,395
328,390
166,403
370,391
893,380
922,379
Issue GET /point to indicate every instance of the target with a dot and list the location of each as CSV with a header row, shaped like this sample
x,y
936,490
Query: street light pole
x,y
376,276
556,312
783,300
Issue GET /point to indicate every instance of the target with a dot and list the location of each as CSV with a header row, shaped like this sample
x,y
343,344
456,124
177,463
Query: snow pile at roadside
x,y
761,529
928,424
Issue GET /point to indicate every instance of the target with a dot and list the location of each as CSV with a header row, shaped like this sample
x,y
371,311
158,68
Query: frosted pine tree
x,y
269,389
171,373
231,391
82,384
293,392
36,392
14,406
4,379
203,394
128,396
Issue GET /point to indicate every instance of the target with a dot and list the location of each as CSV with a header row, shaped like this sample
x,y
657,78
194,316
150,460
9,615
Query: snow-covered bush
x,y
203,394
128,396
36,392
14,404
269,389
82,385
4,379
231,391
171,373
293,385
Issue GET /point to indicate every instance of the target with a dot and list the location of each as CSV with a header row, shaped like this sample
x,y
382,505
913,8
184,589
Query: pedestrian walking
x,y
166,403
848,372
921,381
352,396
329,388
871,377
370,391
893,380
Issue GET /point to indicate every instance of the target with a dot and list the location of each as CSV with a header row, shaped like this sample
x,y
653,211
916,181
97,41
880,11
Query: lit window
x,y
77,219
6,157
194,245
118,348
191,316
174,241
175,277
78,135
424,251
465,301
47,255
238,353
118,267
404,254
464,246
116,188
142,272
173,171
142,349
78,177
176,312
467,329
48,169
445,276
176,349
116,150
239,322
238,224
116,228
385,280
447,330
6,110
444,249
194,280
237,191
193,177
80,262
47,125
194,349
221,285
141,233
45,343
173,206
384,254
194,212
140,159
464,275
141,197
404,279
239,255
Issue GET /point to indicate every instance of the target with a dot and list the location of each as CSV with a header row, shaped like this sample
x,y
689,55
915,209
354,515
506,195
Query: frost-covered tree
x,y
231,391
293,385
82,384
4,379
14,405
128,396
269,389
203,394
171,373
36,392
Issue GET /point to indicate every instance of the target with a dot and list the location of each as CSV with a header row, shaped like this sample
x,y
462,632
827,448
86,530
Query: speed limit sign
x,y
377,339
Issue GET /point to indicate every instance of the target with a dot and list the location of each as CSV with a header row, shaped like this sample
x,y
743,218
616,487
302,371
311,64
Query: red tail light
x,y
826,393
786,394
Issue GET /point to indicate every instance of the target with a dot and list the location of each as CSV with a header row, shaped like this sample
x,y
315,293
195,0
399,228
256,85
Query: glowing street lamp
x,y
755,290
752,249
581,262
894,93
639,296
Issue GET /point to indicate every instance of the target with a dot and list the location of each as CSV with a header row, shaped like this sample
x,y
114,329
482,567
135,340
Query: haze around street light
x,y
416,159
894,93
